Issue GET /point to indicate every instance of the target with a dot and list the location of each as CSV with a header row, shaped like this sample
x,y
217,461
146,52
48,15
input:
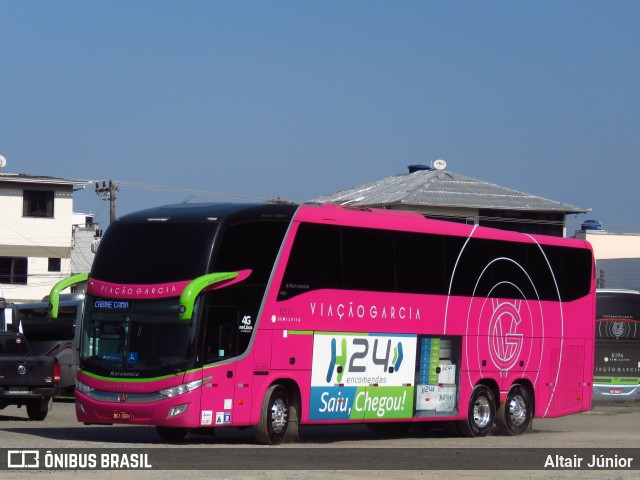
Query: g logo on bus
x,y
618,329
22,369
505,342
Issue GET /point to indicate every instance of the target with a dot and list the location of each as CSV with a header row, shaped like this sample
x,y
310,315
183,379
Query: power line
x,y
204,193
239,196
108,192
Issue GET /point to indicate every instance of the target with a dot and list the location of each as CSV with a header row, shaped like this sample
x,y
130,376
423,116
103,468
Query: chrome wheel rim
x,y
279,416
482,412
518,410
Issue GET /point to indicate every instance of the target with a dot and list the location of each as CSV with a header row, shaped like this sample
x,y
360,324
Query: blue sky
x,y
303,98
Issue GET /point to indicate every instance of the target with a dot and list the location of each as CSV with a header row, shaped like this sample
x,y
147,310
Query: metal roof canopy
x,y
441,188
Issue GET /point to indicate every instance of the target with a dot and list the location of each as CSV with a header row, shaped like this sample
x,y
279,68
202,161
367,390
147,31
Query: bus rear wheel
x,y
274,417
481,414
515,413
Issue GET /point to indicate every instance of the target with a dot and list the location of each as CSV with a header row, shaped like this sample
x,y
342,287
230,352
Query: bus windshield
x,y
152,253
136,338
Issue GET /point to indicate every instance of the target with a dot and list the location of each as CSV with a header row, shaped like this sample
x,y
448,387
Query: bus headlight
x,y
180,389
83,387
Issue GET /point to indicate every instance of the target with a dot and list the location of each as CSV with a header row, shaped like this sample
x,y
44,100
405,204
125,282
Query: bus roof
x,y
201,212
331,213
416,222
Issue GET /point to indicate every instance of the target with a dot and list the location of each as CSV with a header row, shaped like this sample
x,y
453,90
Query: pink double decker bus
x,y
274,315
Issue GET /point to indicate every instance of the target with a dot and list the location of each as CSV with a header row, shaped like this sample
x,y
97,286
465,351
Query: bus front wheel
x,y
274,417
514,415
481,414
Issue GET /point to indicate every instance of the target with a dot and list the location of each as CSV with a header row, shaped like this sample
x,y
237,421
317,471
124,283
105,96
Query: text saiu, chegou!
x,y
381,406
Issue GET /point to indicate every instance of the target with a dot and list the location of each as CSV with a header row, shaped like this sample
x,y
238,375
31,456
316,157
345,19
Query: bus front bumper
x,y
180,411
616,393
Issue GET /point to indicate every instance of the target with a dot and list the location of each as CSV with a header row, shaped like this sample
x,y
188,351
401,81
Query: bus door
x,y
222,346
570,390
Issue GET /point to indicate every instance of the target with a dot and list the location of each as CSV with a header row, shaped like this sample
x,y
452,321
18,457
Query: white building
x,y
617,256
36,234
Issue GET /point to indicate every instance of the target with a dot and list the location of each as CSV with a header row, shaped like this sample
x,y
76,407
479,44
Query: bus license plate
x,y
615,391
122,415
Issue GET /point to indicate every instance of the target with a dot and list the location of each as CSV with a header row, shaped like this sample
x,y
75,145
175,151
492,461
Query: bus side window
x,y
221,333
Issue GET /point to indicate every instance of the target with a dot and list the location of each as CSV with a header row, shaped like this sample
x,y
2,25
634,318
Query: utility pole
x,y
108,191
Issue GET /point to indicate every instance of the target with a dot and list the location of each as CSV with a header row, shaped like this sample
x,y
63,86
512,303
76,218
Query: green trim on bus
x,y
136,380
193,289
54,296
618,380
204,368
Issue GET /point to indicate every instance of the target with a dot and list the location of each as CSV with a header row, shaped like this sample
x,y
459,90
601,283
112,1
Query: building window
x,y
37,203
55,265
537,223
13,270
450,218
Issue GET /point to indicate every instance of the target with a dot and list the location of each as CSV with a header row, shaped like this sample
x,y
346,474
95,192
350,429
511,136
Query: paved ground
x,y
610,426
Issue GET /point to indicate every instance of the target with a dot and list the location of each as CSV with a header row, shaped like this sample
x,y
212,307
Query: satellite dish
x,y
3,161
440,164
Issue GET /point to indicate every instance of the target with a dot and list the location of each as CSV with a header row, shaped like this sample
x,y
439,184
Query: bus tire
x,y
293,432
481,414
274,416
172,434
514,415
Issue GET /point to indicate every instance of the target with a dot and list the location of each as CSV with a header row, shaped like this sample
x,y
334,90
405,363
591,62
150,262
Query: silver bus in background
x,y
617,345
56,337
